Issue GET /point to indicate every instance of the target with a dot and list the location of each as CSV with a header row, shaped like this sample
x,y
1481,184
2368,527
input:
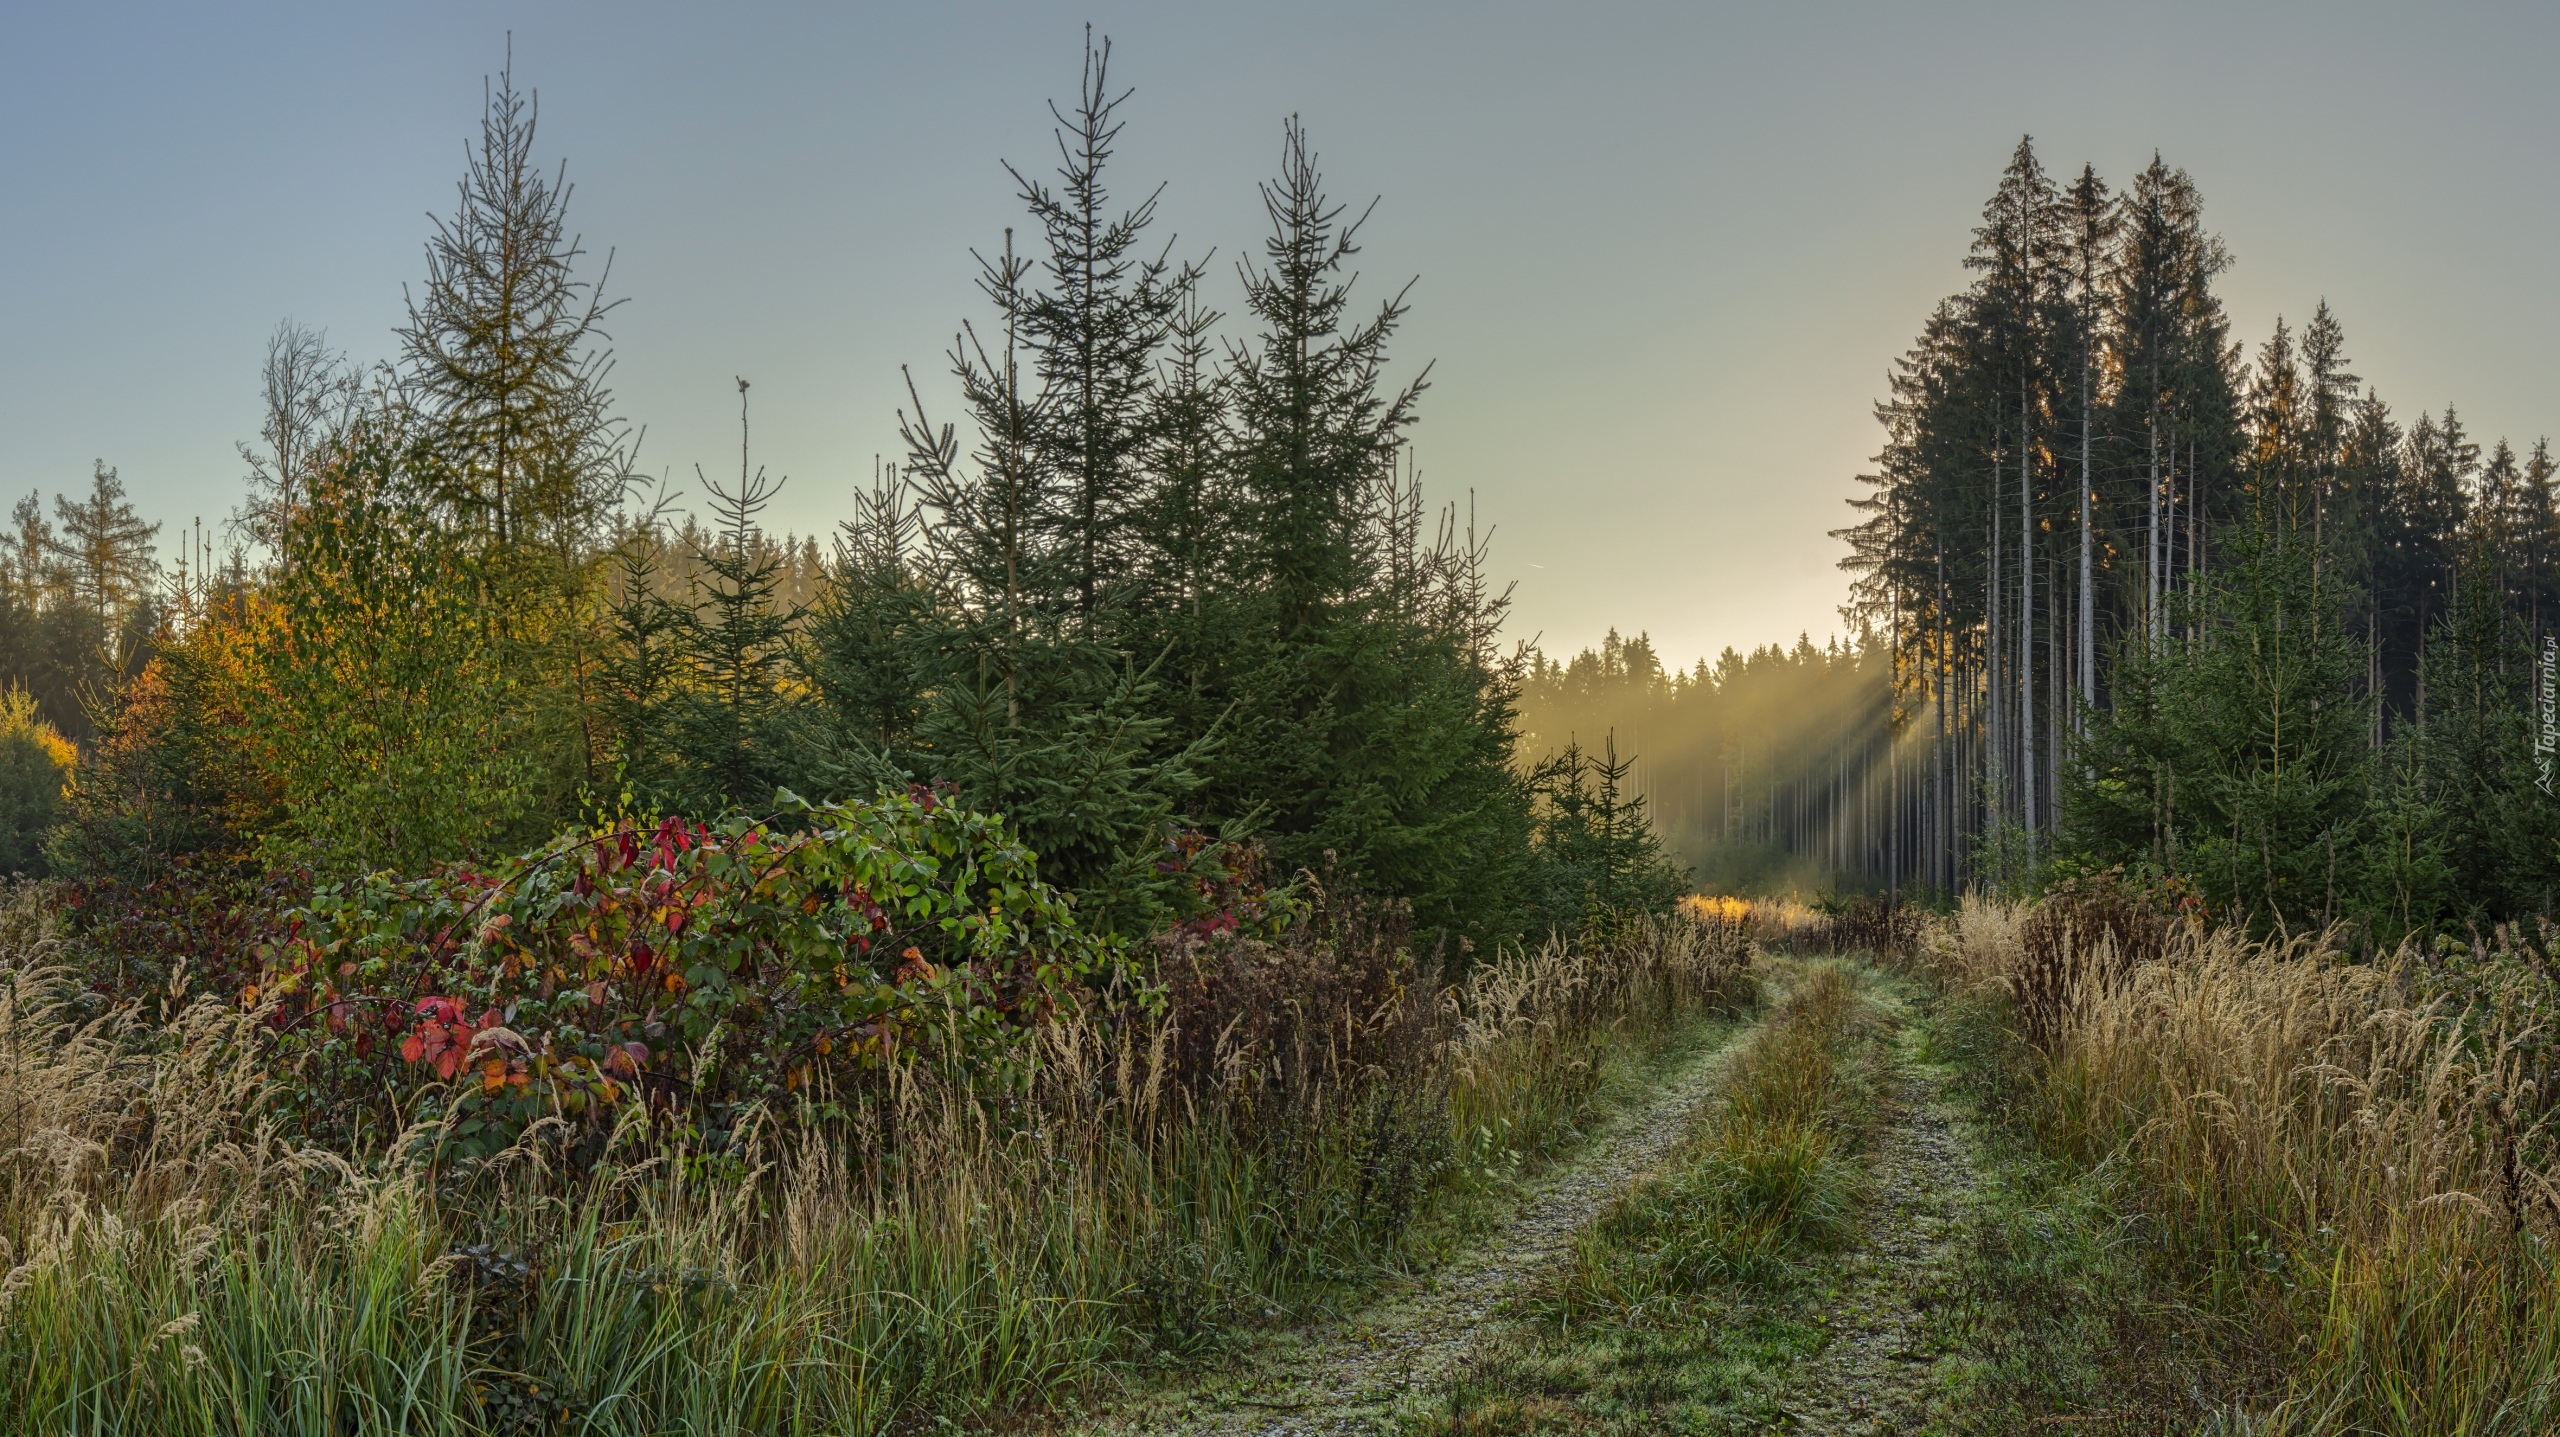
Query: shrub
x,y
2091,929
716,971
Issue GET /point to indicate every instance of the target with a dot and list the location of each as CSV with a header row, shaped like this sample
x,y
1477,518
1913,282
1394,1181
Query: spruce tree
x,y
2237,759
104,549
2497,834
1602,861
2329,394
1315,425
2019,247
1095,328
2537,552
504,349
726,721
2091,223
874,647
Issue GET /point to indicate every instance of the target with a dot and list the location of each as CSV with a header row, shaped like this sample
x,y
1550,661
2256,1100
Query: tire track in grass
x,y
1875,1373
1350,1375
1753,1293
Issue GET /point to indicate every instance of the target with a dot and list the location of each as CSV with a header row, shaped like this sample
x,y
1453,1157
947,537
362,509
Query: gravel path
x,y
1348,1376
1872,1376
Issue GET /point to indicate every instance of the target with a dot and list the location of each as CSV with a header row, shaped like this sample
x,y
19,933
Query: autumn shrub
x,y
2089,929
707,972
1871,923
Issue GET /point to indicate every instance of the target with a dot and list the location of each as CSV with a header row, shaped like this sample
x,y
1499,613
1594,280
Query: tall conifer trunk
x,y
2026,625
2151,535
1995,750
2088,610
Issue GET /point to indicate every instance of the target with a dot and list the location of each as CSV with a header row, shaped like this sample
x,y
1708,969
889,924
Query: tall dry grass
x,y
173,1265
2355,1171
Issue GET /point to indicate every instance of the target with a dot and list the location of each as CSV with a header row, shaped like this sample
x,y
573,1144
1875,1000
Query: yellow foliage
x,y
1716,908
18,718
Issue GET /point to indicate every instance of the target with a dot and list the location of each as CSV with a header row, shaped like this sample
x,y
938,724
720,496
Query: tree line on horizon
x,y
1765,771
1147,581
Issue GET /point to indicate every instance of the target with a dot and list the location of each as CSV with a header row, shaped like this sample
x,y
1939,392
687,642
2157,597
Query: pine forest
x,y
1121,933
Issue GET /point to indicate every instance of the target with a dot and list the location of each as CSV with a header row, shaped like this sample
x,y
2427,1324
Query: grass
x,y
2301,1195
1686,1304
2058,1318
174,1265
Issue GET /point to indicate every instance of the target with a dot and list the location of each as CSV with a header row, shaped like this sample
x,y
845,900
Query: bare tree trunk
x,y
2054,701
1996,749
2026,628
2151,542
2088,607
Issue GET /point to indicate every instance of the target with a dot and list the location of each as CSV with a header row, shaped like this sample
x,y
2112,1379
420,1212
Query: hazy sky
x,y
1665,253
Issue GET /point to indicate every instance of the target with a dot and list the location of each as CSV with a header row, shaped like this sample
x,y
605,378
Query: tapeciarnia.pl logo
x,y
2546,738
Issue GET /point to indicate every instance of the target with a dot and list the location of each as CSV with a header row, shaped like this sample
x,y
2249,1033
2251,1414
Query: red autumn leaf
x,y
413,1049
447,1062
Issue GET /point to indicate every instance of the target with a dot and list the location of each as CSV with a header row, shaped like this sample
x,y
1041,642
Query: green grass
x,y
1688,1303
2058,1310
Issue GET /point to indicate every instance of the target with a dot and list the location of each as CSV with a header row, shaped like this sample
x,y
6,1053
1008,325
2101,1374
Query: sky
x,y
1663,256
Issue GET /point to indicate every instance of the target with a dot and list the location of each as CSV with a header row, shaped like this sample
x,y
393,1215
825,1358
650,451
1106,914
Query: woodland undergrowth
x,y
176,1261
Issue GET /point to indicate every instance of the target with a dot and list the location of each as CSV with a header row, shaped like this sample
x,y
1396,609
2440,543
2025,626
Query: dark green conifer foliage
x,y
2537,543
725,723
1316,428
2420,519
104,549
503,351
2497,834
2279,460
1095,328
1602,860
2329,396
2090,225
2236,755
1367,723
52,644
641,665
874,639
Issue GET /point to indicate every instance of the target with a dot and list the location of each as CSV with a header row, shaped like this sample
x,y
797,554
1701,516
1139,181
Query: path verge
x,y
1788,1269
1352,1374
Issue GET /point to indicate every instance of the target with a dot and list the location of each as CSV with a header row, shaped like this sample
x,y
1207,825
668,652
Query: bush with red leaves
x,y
710,968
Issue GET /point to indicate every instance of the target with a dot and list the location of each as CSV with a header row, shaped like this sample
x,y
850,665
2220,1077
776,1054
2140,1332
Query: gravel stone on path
x,y
1871,1379
1349,1375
